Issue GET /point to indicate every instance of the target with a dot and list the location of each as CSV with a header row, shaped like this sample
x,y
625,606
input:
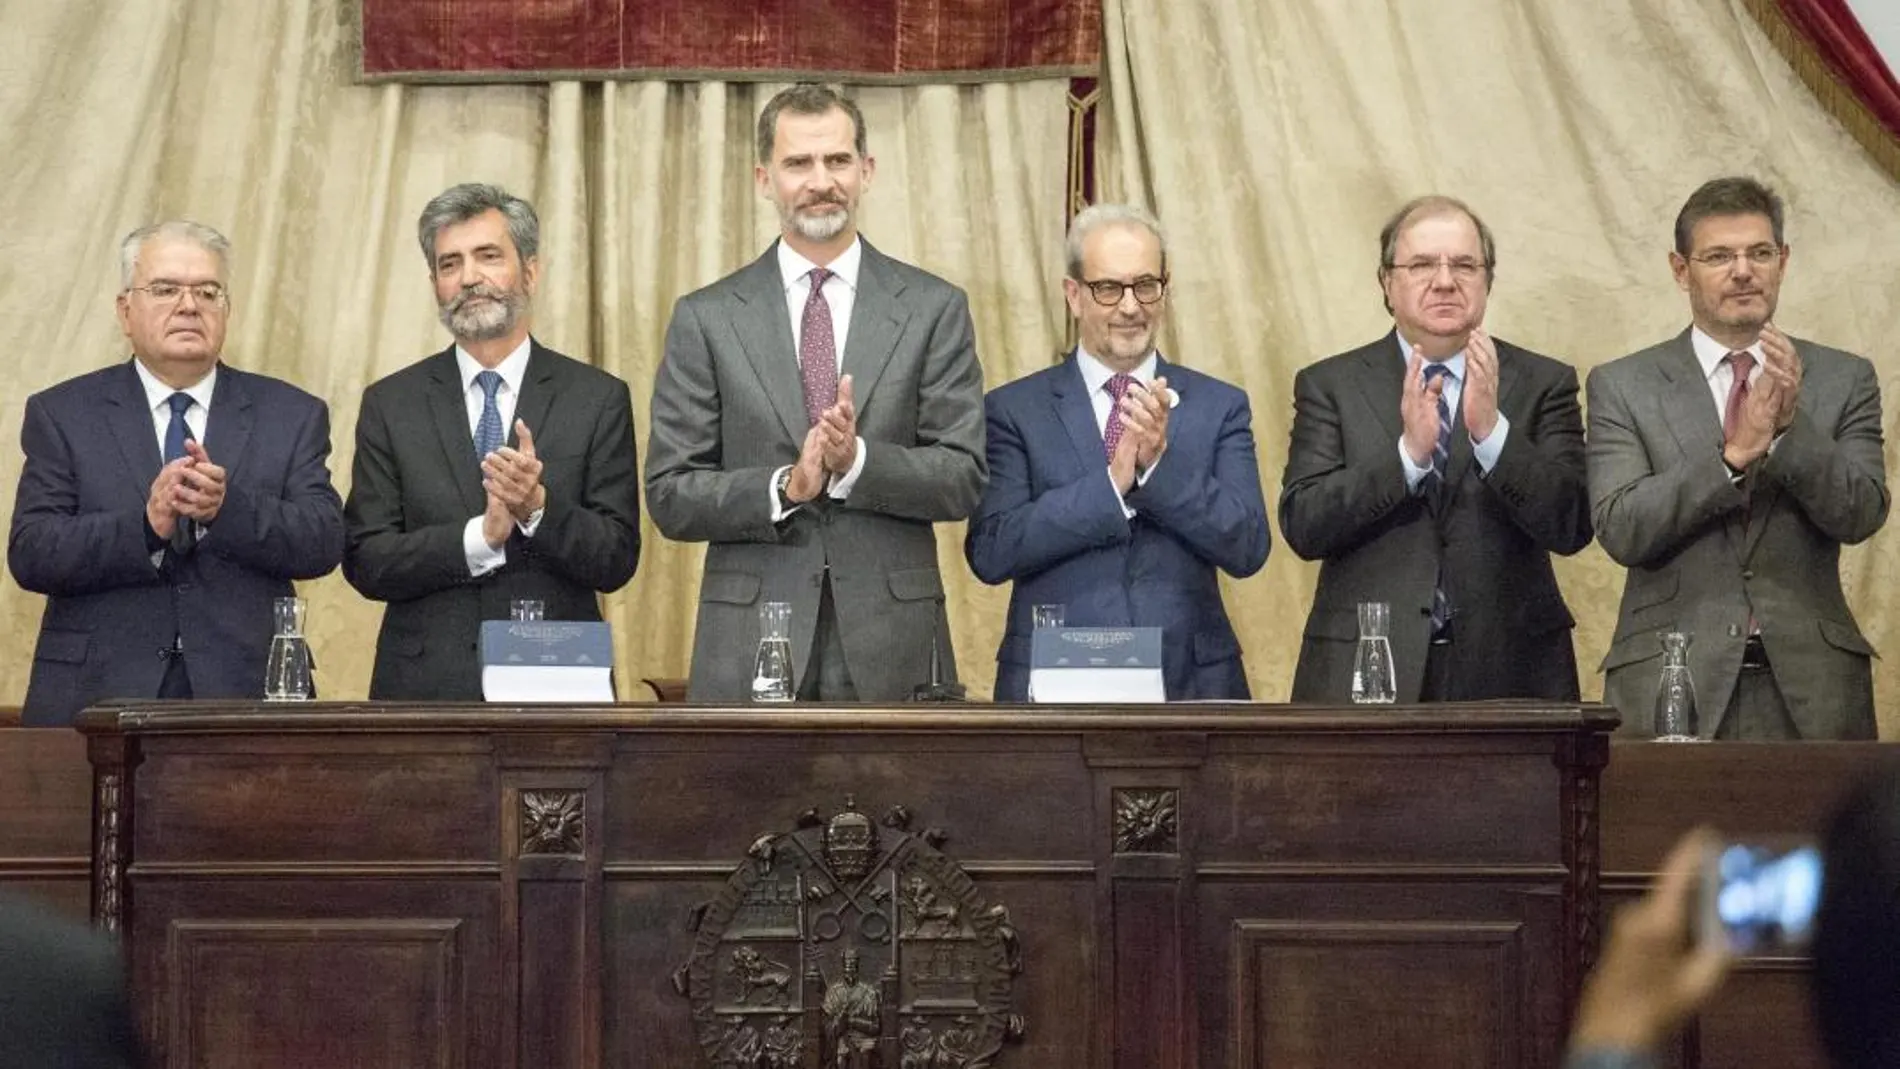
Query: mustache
x,y
461,300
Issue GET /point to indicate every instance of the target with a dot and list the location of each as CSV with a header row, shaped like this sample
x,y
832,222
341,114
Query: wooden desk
x,y
347,885
46,815
1653,794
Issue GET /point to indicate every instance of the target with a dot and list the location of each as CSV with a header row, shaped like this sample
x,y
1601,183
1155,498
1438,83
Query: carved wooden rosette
x,y
551,822
1146,820
844,937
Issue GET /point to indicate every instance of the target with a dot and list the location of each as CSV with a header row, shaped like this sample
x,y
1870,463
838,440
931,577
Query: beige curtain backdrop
x,y
1272,138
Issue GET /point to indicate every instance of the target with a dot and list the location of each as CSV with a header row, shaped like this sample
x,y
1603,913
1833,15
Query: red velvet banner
x,y
1825,44
862,41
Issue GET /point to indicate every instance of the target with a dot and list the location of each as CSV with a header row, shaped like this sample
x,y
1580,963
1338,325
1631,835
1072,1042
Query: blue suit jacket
x,y
1050,522
79,538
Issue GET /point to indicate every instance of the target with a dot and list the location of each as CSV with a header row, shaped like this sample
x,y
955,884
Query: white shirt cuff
x,y
1488,451
841,484
482,558
1414,475
771,492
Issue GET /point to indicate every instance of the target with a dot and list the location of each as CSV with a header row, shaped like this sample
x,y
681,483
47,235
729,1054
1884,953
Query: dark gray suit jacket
x,y
1487,537
79,537
416,482
1666,510
728,410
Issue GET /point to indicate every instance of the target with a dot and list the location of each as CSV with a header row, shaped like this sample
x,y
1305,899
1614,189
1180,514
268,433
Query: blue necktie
x,y
1441,455
179,431
488,428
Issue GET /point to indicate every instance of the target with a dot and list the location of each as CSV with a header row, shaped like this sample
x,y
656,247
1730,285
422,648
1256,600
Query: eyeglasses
x,y
1463,269
1108,292
1722,259
167,292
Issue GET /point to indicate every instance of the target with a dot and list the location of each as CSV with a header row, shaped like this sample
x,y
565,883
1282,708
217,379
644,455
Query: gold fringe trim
x,y
1834,94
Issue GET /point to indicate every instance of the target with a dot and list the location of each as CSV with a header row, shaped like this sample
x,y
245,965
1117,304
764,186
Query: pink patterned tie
x,y
1117,387
818,350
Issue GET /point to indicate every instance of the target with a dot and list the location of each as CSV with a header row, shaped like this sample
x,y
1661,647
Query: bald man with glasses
x,y
1121,483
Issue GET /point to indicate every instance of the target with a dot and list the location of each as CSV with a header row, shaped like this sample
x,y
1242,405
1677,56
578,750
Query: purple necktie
x,y
1117,387
818,350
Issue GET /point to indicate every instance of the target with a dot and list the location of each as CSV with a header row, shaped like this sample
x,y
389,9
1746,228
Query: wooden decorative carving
x,y
108,890
551,822
851,947
1145,820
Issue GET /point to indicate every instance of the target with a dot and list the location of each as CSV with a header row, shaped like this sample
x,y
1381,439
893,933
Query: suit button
x,y
1748,574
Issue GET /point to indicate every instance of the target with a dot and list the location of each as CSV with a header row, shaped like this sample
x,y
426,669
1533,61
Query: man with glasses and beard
x,y
494,470
816,412
1728,465
1436,470
167,500
1121,483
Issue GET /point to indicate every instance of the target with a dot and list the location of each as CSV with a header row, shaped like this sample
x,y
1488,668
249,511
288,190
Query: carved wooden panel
x,y
363,993
1388,994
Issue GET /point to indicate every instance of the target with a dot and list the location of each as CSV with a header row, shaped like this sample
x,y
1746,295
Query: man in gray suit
x,y
814,414
1728,465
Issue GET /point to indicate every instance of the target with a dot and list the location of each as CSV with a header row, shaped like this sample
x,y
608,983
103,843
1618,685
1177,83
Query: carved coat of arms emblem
x,y
846,945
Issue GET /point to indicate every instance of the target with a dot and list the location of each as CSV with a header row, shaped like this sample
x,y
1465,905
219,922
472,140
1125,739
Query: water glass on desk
x,y
527,610
1372,682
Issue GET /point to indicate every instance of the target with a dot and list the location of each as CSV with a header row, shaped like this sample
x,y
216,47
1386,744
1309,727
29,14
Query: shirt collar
x,y
1455,363
158,395
1096,374
793,267
512,369
1712,354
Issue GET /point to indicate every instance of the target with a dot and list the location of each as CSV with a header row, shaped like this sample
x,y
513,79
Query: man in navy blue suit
x,y
167,500
1119,482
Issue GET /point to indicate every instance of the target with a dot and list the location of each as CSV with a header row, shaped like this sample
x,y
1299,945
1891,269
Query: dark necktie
x,y
488,428
1117,387
1441,455
178,431
818,350
1740,364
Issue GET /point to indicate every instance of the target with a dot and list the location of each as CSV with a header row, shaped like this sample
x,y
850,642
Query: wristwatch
x,y
779,486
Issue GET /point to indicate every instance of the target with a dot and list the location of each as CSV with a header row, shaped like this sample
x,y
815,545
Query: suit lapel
x,y
759,318
1070,396
1685,396
538,386
130,421
1382,382
448,411
1165,370
229,421
877,321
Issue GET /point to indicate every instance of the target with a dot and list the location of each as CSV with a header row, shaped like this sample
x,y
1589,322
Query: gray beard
x,y
486,321
821,227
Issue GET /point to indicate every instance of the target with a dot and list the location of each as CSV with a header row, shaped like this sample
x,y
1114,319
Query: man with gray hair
x,y
1144,485
495,470
166,501
815,414
1435,471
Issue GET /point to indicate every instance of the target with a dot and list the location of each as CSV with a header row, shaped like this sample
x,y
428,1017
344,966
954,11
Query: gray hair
x,y
178,229
459,204
1426,207
1096,216
807,98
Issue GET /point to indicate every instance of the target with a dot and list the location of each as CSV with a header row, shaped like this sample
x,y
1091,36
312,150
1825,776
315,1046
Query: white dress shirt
x,y
483,558
841,296
1486,452
1095,376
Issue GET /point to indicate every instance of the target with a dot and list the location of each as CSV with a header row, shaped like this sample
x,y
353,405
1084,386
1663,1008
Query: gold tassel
x,y
1835,95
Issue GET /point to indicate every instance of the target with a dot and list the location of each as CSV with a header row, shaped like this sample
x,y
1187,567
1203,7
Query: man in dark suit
x,y
1120,482
815,413
166,501
1728,465
1437,470
62,994
452,517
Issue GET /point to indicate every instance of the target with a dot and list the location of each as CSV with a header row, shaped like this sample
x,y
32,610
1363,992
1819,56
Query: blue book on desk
x,y
1096,664
547,661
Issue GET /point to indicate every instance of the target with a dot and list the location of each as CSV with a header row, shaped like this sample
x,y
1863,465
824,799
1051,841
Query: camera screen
x,y
1764,897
